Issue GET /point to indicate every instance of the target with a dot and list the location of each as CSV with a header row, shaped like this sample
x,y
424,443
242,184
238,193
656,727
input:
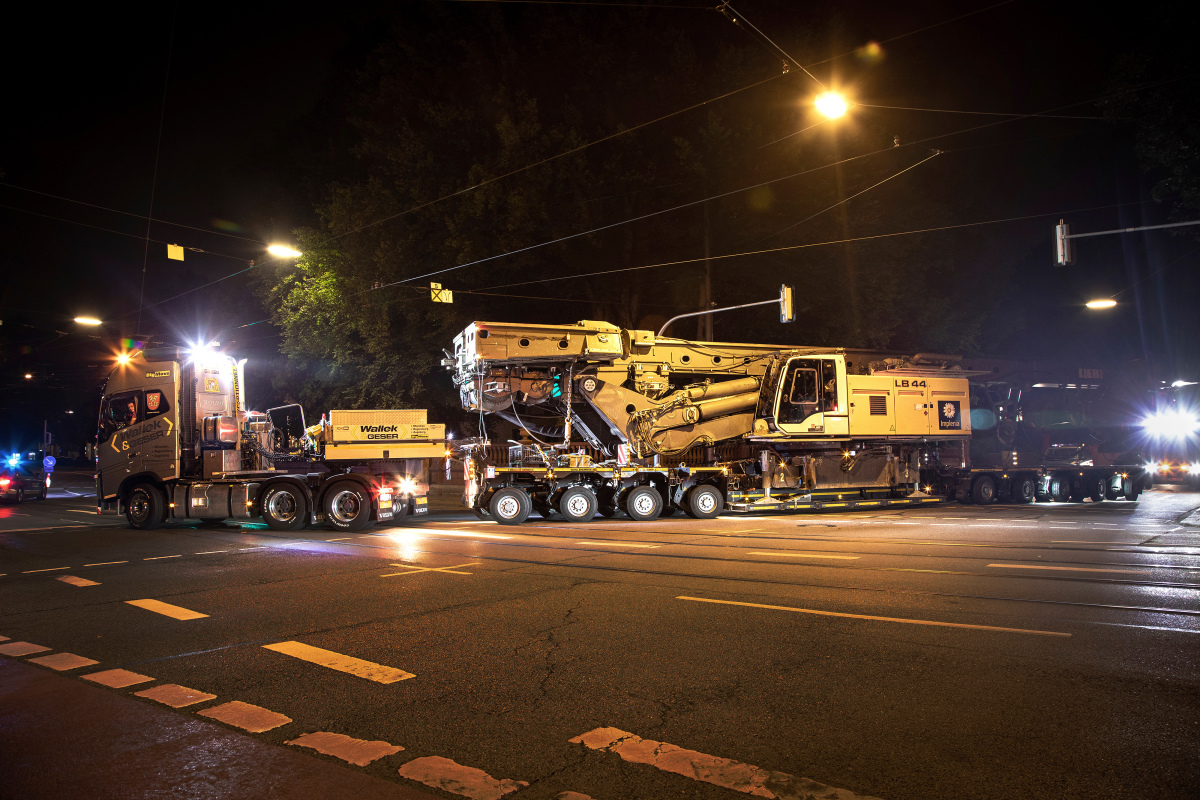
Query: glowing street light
x,y
123,358
88,321
283,251
28,376
832,104
1101,303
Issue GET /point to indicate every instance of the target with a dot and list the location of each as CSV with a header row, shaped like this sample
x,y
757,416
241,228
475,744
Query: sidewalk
x,y
61,738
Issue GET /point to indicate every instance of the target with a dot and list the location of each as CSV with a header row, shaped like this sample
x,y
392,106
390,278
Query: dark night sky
x,y
248,90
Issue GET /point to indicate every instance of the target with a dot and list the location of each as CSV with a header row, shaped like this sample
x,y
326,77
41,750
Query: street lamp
x,y
283,251
1101,303
28,376
88,321
832,104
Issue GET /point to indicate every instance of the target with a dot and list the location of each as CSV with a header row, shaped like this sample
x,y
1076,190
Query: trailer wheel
x,y
577,504
1132,489
703,502
1023,489
1109,492
510,506
643,503
347,507
1060,490
284,507
1097,489
983,491
144,507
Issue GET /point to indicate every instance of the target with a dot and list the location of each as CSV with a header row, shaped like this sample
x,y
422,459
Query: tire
x,y
284,507
347,506
578,504
704,502
510,506
1109,492
1097,489
1133,488
643,503
983,490
1060,488
1023,490
144,507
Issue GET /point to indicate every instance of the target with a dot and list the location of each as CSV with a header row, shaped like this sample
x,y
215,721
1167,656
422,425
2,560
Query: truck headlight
x,y
407,486
1194,469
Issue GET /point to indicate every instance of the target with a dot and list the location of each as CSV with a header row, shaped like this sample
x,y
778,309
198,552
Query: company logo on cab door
x,y
949,416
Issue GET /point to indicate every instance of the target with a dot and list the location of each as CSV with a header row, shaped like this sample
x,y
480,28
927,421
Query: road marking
x,y
449,776
3,638
356,751
619,544
723,772
63,661
105,563
342,663
798,555
21,649
412,570
871,617
1078,569
254,719
166,609
51,528
460,533
156,558
175,696
77,511
344,538
210,552
71,579
49,569
1077,541
116,678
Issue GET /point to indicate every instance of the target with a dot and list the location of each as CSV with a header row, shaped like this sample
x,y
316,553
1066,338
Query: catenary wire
x,y
791,60
975,113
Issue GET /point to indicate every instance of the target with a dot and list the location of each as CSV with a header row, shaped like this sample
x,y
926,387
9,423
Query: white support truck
x,y
175,441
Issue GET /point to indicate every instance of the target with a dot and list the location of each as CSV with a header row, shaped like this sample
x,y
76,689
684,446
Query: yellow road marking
x,y
357,751
77,511
871,617
157,558
105,563
450,776
797,555
620,544
1076,541
166,609
344,538
74,581
411,570
1079,569
50,569
342,663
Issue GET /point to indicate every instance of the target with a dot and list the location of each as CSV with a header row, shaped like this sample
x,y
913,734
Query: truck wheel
x,y
643,503
1097,488
1132,489
1023,489
983,491
1109,492
1061,488
347,507
510,506
144,507
284,507
703,502
577,504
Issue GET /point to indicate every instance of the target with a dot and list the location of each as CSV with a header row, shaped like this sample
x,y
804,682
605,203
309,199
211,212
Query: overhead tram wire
x,y
849,240
162,116
976,113
721,8
129,213
586,3
915,143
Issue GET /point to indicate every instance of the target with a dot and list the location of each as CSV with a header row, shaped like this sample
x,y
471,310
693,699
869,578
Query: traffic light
x,y
1064,249
787,306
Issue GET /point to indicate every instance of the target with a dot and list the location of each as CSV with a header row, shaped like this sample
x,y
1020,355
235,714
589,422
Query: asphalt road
x,y
949,651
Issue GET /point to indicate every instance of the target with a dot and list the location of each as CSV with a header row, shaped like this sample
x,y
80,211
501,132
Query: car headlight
x,y
407,486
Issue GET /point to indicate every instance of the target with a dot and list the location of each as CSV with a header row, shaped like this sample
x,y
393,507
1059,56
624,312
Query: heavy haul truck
x,y
809,428
176,442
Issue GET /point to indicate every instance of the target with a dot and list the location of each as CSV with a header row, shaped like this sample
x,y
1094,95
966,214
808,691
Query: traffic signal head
x,y
1064,248
787,306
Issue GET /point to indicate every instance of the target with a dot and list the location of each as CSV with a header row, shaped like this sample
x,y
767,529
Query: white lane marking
x,y
723,772
1080,541
870,617
210,552
1076,569
359,752
74,581
254,719
620,544
157,558
77,511
105,563
453,568
48,569
51,528
166,609
798,555
449,776
342,663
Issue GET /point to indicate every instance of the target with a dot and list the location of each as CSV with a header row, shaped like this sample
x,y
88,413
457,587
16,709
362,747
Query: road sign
x,y
48,462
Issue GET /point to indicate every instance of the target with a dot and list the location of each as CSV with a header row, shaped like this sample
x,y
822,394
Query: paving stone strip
x,y
117,678
356,751
449,776
175,696
21,649
254,719
63,661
